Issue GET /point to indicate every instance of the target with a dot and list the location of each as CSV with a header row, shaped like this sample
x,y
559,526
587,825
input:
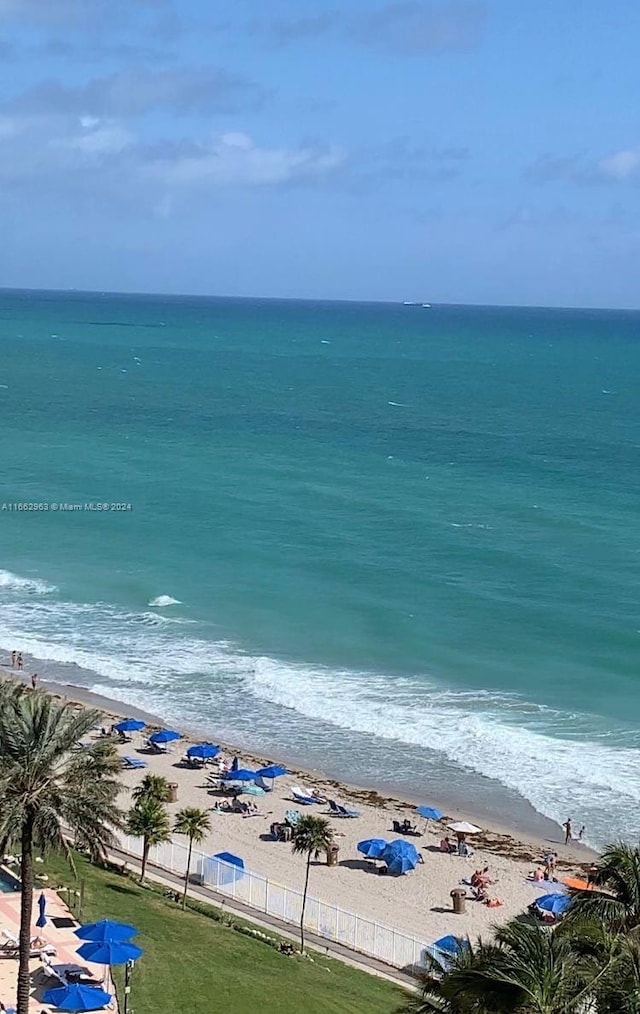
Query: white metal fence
x,y
264,895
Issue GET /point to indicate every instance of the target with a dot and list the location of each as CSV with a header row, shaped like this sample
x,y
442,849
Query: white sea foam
x,y
164,600
31,585
152,660
491,734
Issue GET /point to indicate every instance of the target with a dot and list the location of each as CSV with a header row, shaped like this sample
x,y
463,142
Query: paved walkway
x,y
61,937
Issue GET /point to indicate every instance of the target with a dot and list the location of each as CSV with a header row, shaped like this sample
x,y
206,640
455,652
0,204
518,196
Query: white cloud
x,y
622,164
235,160
97,137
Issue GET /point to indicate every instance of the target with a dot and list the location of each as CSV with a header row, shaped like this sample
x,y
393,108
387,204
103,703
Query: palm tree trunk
x,y
186,876
304,902
26,910
145,856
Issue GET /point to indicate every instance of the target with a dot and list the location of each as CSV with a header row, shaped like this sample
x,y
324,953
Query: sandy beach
x,y
418,903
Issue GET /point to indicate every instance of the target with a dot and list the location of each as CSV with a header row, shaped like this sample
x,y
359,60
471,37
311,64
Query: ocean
x,y
397,543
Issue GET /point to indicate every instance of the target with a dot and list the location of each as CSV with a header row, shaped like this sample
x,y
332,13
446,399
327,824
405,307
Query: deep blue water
x,y
404,541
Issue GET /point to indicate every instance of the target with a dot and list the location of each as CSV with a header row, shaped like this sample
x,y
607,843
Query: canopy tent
x,y
222,869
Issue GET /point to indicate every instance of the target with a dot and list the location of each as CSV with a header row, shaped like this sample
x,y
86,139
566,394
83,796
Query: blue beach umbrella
x,y
109,952
429,812
164,736
446,948
272,771
372,848
77,998
106,930
129,725
42,905
240,775
451,945
400,856
554,903
203,750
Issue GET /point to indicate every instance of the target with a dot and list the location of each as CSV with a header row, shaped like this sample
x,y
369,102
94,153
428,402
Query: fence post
x,y
375,942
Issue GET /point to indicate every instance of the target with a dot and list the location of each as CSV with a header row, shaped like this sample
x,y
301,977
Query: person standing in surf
x,y
568,833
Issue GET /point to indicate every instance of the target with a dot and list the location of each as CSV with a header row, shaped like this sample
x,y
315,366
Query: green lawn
x,y
193,963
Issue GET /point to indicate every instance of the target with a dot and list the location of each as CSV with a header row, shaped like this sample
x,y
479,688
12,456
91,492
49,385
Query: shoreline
x,y
506,838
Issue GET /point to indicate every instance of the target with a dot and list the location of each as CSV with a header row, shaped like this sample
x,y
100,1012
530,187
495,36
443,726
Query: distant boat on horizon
x,y
415,302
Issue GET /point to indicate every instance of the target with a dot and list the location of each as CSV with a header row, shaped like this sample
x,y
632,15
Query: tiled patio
x,y
63,939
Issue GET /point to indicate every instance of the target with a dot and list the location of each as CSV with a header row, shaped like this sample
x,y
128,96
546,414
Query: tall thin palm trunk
x,y
145,855
186,876
304,902
26,911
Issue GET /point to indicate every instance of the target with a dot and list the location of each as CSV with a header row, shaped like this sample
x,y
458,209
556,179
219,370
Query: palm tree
x,y
530,969
311,835
617,903
152,786
148,820
47,789
196,825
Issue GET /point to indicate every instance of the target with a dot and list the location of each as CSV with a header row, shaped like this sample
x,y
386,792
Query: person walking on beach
x,y
34,680
550,865
13,659
567,831
19,662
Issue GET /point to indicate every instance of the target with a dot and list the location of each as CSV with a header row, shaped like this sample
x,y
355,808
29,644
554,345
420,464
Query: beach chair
x,y
315,795
335,809
344,811
301,797
133,763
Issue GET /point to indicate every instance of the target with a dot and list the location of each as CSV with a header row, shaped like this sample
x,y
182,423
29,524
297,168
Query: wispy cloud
x,y
414,28
587,170
234,159
622,165
405,28
131,93
72,12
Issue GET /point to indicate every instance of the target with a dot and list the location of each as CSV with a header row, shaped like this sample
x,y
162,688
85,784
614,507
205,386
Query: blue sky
x,y
483,151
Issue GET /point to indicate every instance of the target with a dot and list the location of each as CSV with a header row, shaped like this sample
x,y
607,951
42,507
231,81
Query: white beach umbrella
x,y
464,827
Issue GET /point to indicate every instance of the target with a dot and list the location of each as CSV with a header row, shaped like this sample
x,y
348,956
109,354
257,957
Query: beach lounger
x,y
342,811
133,763
315,795
300,796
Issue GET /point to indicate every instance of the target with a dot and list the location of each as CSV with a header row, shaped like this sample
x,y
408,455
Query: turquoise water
x,y
403,541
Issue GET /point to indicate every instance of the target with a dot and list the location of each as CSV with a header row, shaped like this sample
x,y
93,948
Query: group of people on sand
x,y
479,882
458,848
17,662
